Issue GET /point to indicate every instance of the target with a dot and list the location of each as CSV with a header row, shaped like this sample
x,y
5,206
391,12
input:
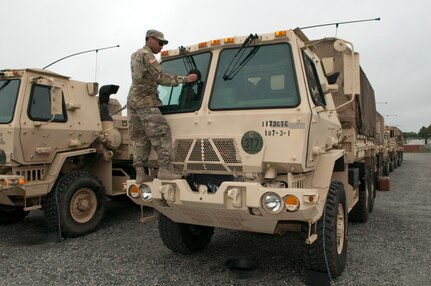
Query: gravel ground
x,y
392,248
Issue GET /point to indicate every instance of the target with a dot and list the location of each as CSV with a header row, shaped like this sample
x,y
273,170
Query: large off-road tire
x,y
11,214
329,250
76,204
391,163
372,190
184,238
361,210
386,168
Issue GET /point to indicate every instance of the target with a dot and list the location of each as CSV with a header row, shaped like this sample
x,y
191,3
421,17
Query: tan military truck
x,y
277,135
395,146
382,152
60,149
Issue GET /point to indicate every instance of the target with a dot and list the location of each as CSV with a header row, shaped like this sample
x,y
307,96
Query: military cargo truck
x,y
395,146
60,149
277,135
382,153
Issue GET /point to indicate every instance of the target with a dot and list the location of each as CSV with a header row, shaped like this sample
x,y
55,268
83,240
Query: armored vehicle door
x,y
322,128
43,133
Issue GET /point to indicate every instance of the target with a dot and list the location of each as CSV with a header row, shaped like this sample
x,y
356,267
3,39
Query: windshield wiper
x,y
237,65
189,63
188,60
5,84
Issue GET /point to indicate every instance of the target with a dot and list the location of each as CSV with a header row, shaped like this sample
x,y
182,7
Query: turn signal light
x,y
134,191
291,202
21,182
3,184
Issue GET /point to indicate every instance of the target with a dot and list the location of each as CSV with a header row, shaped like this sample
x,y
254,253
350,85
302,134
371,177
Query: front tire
x,y
11,214
183,238
329,251
76,204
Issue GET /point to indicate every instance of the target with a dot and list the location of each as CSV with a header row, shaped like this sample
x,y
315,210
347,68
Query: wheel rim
x,y
83,205
340,228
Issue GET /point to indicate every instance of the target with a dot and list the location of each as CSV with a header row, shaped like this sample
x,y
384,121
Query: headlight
x,y
272,203
145,193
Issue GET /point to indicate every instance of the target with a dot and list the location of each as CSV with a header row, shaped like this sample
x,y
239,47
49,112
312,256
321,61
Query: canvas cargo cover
x,y
361,114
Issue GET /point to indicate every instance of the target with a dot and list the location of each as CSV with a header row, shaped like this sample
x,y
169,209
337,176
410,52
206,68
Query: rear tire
x,y
361,210
331,237
372,190
11,214
81,201
386,168
184,238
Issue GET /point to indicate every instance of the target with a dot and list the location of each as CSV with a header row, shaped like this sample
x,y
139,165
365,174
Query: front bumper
x,y
235,205
11,186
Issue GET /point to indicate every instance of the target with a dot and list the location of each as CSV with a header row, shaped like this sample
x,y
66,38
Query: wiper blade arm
x,y
188,60
231,72
237,68
5,84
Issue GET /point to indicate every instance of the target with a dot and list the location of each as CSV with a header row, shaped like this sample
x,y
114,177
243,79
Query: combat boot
x,y
167,173
141,176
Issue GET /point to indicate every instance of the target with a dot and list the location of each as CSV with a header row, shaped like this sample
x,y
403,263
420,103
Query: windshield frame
x,y
289,70
11,101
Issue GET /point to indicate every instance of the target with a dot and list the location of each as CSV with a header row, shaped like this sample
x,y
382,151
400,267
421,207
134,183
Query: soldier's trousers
x,y
149,128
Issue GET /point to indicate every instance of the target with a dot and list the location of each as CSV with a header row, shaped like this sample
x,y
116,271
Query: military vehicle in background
x,y
382,150
60,149
395,146
277,135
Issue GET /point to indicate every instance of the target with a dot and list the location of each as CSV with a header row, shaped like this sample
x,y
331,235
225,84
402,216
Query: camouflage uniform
x,y
147,126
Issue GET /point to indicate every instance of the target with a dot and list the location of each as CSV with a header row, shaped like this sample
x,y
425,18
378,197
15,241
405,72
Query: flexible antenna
x,y
83,52
339,23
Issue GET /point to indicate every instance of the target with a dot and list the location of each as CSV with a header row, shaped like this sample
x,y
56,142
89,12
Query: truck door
x,y
319,125
43,134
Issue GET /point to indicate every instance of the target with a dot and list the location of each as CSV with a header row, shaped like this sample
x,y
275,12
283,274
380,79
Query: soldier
x,y
148,127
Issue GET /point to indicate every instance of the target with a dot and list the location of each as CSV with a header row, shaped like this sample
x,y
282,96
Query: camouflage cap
x,y
156,34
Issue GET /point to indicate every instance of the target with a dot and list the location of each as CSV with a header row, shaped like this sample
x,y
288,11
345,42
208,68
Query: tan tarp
x,y
380,128
361,114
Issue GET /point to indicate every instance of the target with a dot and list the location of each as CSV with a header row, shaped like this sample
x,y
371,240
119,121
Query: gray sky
x,y
393,51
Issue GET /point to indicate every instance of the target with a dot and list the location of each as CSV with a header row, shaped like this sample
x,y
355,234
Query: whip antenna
x,y
83,52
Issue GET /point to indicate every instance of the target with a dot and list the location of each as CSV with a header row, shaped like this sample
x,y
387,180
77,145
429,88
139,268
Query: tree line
x,y
424,133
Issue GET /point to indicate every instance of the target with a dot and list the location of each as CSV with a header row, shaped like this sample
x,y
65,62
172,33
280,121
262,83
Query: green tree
x,y
425,132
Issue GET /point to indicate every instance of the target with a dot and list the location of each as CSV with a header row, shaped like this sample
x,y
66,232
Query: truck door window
x,y
185,97
39,107
8,96
266,81
313,82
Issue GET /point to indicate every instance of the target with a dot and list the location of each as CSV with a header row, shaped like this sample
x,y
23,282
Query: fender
x,y
58,162
325,168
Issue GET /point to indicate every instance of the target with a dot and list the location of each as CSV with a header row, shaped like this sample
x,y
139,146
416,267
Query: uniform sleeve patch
x,y
153,60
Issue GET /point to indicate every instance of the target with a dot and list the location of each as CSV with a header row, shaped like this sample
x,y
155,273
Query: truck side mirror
x,y
328,65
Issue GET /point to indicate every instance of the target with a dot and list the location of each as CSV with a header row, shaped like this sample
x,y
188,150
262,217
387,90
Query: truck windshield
x,y
266,81
8,96
185,97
